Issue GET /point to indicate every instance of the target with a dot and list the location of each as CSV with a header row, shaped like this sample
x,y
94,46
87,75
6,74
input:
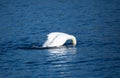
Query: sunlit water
x,y
24,24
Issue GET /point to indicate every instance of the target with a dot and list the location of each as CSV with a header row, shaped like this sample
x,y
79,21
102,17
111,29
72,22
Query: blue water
x,y
25,23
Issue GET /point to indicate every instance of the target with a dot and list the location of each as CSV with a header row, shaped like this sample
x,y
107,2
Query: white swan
x,y
57,39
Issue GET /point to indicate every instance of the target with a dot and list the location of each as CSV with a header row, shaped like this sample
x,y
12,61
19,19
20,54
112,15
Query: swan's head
x,y
73,40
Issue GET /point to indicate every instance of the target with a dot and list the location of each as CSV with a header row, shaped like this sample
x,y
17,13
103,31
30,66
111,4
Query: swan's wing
x,y
59,40
45,44
50,37
55,39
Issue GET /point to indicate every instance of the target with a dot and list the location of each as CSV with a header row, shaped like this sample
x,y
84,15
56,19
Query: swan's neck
x,y
73,40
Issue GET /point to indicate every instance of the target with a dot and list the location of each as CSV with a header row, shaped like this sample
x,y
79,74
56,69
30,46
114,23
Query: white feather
x,y
56,39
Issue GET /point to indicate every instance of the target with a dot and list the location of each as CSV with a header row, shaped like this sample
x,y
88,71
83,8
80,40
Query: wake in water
x,y
41,48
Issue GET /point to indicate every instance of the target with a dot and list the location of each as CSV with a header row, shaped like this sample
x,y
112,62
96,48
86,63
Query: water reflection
x,y
60,61
62,50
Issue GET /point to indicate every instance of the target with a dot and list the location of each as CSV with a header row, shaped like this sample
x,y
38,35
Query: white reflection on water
x,y
63,50
60,59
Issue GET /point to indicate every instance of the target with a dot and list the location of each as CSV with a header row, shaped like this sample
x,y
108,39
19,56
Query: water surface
x,y
95,24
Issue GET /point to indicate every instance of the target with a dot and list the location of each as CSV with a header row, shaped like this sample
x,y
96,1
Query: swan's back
x,y
51,36
56,39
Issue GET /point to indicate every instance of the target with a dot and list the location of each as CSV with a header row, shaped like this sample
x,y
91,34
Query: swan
x,y
57,39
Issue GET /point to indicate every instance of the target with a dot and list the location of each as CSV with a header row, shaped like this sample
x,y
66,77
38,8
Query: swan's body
x,y
57,39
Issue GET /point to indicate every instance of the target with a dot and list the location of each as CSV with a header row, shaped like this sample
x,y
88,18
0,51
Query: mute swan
x,y
57,39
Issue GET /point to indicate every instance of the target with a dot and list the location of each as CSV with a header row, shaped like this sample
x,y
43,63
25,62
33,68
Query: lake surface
x,y
95,24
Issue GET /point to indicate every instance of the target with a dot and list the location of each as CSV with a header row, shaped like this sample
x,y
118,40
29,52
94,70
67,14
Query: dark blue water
x,y
25,23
